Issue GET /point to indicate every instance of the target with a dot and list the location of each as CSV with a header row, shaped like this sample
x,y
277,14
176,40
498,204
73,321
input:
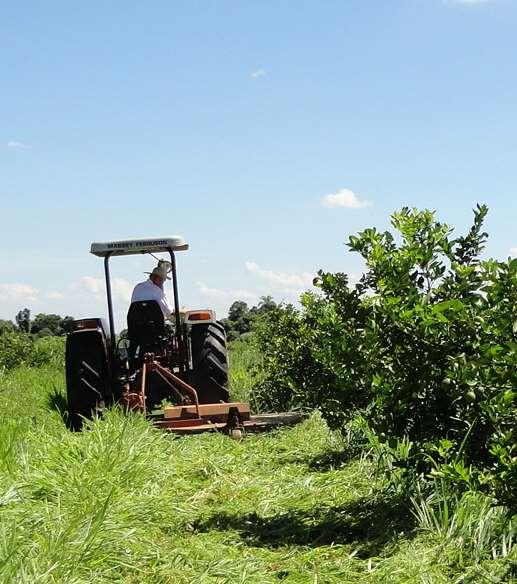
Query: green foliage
x,y
51,324
241,318
424,345
15,350
43,325
48,351
18,349
238,321
23,320
289,369
6,326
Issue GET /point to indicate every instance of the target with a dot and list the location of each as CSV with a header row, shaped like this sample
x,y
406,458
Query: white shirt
x,y
148,290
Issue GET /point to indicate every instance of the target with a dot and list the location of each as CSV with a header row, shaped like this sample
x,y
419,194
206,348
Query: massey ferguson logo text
x,y
130,244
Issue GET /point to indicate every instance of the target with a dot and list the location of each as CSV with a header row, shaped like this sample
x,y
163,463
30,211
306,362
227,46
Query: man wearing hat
x,y
152,288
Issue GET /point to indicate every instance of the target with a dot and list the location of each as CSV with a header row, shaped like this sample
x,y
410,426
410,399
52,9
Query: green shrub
x,y
49,351
290,371
424,345
15,350
18,349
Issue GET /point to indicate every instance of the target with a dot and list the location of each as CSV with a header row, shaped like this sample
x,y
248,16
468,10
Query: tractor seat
x,y
146,328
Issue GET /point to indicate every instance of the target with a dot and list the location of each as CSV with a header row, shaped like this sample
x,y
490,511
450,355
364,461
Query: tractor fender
x,y
200,316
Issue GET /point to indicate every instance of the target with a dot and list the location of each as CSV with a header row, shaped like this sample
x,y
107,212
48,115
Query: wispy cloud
x,y
20,292
81,298
283,286
225,294
54,295
17,145
17,295
513,251
96,288
344,198
257,74
281,281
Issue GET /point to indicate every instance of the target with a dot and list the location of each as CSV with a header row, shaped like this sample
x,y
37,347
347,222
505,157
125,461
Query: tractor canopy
x,y
134,246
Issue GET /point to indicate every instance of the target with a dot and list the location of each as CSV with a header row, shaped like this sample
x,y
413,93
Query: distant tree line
x,y
241,317
43,325
240,320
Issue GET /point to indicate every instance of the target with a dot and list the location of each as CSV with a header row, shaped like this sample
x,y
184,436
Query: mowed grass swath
x,y
125,502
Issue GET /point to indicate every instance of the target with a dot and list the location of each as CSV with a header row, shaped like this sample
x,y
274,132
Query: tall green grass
x,y
124,502
245,371
470,521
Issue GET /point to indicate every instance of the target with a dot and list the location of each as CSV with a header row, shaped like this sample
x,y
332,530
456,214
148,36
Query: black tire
x,y
209,374
87,381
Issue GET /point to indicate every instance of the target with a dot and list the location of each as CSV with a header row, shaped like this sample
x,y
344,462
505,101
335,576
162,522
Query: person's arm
x,y
165,305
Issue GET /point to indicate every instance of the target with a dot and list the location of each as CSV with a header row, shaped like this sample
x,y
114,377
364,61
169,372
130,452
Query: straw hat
x,y
161,270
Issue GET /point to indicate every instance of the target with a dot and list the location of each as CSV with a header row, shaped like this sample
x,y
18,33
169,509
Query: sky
x,y
264,132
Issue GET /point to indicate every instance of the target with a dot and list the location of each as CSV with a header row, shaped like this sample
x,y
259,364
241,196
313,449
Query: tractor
x,y
175,372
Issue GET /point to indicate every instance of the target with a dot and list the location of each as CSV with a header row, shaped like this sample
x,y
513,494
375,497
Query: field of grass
x,y
124,502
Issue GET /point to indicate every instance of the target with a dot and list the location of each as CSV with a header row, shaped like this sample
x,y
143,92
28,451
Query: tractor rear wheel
x,y
209,373
87,385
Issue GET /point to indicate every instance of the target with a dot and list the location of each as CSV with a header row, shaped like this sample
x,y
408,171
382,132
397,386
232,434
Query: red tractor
x,y
176,373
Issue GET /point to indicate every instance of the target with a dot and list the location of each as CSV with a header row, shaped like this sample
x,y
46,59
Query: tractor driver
x,y
152,288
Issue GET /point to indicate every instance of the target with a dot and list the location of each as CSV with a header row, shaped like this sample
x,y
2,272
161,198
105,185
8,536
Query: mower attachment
x,y
235,423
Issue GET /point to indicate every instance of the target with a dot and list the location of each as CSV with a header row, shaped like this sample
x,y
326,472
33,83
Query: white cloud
x,y
17,145
54,295
281,281
257,74
283,286
81,298
220,300
89,298
344,198
122,289
95,287
219,294
19,292
513,251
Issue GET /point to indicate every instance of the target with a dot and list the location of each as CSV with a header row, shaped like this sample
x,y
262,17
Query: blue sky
x,y
229,123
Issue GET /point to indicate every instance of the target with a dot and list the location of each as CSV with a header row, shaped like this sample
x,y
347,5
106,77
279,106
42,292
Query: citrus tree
x,y
424,346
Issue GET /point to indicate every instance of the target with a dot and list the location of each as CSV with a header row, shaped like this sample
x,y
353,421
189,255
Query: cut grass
x,y
124,502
